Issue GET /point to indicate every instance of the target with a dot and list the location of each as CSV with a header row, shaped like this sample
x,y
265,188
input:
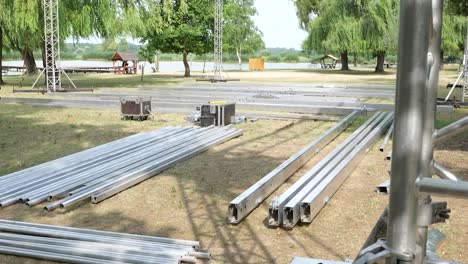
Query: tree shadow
x,y
188,201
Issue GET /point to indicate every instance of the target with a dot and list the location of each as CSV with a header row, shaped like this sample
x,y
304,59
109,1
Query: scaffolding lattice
x,y
465,69
218,41
52,45
52,69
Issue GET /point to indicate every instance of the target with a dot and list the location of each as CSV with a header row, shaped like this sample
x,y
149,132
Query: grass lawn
x,y
190,200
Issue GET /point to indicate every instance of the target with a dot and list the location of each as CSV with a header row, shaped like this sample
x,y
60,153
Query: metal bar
x,y
321,194
454,86
442,187
112,190
134,250
75,158
37,254
107,233
44,232
144,166
451,130
291,213
425,212
49,181
387,137
275,211
443,172
137,158
88,253
384,187
409,121
246,202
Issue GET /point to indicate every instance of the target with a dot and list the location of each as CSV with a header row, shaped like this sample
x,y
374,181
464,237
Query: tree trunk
x,y
380,61
29,61
441,59
1,55
355,60
239,58
344,61
186,64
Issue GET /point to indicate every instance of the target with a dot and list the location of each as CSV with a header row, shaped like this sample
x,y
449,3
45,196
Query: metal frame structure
x,y
218,42
246,202
411,209
52,69
463,73
401,235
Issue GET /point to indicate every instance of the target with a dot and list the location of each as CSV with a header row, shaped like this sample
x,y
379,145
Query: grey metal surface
x,y
442,187
409,121
275,217
443,172
387,137
321,194
301,260
451,130
91,171
384,187
74,245
246,202
291,214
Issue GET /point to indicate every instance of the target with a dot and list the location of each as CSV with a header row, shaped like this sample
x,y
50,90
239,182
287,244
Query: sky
x,y
278,21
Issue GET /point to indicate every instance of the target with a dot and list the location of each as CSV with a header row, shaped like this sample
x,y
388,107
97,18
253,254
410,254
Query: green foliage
x,y
240,35
453,34
188,26
457,7
305,9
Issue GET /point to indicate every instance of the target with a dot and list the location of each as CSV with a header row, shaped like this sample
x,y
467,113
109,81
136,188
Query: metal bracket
x,y
378,253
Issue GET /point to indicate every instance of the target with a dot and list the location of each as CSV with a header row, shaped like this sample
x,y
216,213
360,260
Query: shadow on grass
x,y
205,185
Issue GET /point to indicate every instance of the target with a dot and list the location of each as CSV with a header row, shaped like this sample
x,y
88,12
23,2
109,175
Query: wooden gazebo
x,y
329,65
125,62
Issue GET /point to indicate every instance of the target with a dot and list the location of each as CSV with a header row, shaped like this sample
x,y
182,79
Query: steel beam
x,y
412,74
245,203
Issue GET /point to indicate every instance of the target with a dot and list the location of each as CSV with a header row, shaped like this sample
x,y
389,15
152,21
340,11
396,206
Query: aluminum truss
x,y
463,73
218,42
411,210
465,68
52,69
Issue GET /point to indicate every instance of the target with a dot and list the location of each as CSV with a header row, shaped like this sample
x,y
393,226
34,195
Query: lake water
x,y
175,66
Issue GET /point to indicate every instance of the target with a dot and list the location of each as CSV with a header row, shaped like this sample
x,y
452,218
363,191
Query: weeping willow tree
x,y
22,22
305,9
335,29
379,22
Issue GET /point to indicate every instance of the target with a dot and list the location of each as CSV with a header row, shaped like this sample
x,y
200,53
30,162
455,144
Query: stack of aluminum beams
x,y
85,246
306,197
103,171
245,203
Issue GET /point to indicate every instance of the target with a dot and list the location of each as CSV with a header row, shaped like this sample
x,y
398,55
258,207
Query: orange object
x,y
256,64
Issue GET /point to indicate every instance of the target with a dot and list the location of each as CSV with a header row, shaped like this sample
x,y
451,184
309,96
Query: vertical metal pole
x,y
434,61
218,41
409,120
465,66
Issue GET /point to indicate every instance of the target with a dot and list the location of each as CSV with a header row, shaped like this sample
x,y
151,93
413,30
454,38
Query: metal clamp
x,y
379,252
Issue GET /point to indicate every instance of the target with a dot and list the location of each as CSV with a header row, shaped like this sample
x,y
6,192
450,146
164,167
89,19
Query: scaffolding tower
x,y
52,69
463,73
218,42
465,68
